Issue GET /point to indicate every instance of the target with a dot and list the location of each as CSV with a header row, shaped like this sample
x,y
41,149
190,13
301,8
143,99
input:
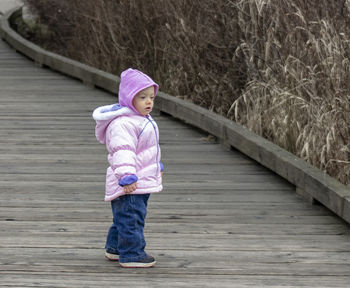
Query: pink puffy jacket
x,y
132,140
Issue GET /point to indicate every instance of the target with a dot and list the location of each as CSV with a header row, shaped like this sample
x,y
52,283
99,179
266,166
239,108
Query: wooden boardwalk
x,y
221,221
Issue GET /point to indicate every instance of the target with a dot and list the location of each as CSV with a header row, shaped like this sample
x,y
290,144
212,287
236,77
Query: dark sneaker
x,y
111,256
146,262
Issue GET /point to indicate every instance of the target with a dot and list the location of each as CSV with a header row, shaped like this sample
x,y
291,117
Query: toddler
x,y
131,138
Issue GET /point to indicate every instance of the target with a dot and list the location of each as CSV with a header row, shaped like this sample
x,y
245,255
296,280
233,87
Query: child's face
x,y
143,101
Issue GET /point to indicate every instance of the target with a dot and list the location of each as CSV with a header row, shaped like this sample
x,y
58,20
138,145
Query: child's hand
x,y
130,188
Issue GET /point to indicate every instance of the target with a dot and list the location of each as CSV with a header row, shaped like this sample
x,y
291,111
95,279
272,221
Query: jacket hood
x,y
133,81
104,115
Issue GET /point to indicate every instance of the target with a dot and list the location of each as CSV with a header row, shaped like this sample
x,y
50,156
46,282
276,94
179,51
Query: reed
x,y
280,68
297,93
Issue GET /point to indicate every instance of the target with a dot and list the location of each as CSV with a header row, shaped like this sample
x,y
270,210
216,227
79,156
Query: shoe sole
x,y
137,264
111,257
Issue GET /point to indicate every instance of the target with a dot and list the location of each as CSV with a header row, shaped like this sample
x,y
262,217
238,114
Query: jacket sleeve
x,y
122,149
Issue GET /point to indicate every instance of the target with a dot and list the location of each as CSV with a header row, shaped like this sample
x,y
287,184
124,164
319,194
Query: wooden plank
x,y
232,268
217,207
102,226
76,168
62,213
64,255
150,279
176,218
199,242
241,176
37,156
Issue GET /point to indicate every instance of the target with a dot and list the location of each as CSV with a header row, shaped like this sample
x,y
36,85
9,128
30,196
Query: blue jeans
x,y
125,237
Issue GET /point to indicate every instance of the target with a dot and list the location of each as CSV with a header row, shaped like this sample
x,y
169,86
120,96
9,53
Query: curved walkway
x,y
222,220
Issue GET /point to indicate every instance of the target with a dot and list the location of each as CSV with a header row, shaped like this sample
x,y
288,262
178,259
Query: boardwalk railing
x,y
310,182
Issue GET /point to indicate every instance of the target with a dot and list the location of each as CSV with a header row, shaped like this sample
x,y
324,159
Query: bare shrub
x,y
57,17
280,67
187,46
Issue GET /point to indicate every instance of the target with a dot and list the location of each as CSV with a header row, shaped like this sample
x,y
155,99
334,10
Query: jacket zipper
x,y
155,131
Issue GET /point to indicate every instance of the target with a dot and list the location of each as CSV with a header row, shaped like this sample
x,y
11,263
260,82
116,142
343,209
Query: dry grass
x,y
297,95
281,67
187,46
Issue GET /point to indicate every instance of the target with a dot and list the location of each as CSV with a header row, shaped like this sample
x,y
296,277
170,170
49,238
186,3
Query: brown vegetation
x,y
298,90
281,68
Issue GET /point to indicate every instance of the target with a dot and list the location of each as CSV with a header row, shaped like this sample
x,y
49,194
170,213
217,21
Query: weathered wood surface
x,y
221,221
